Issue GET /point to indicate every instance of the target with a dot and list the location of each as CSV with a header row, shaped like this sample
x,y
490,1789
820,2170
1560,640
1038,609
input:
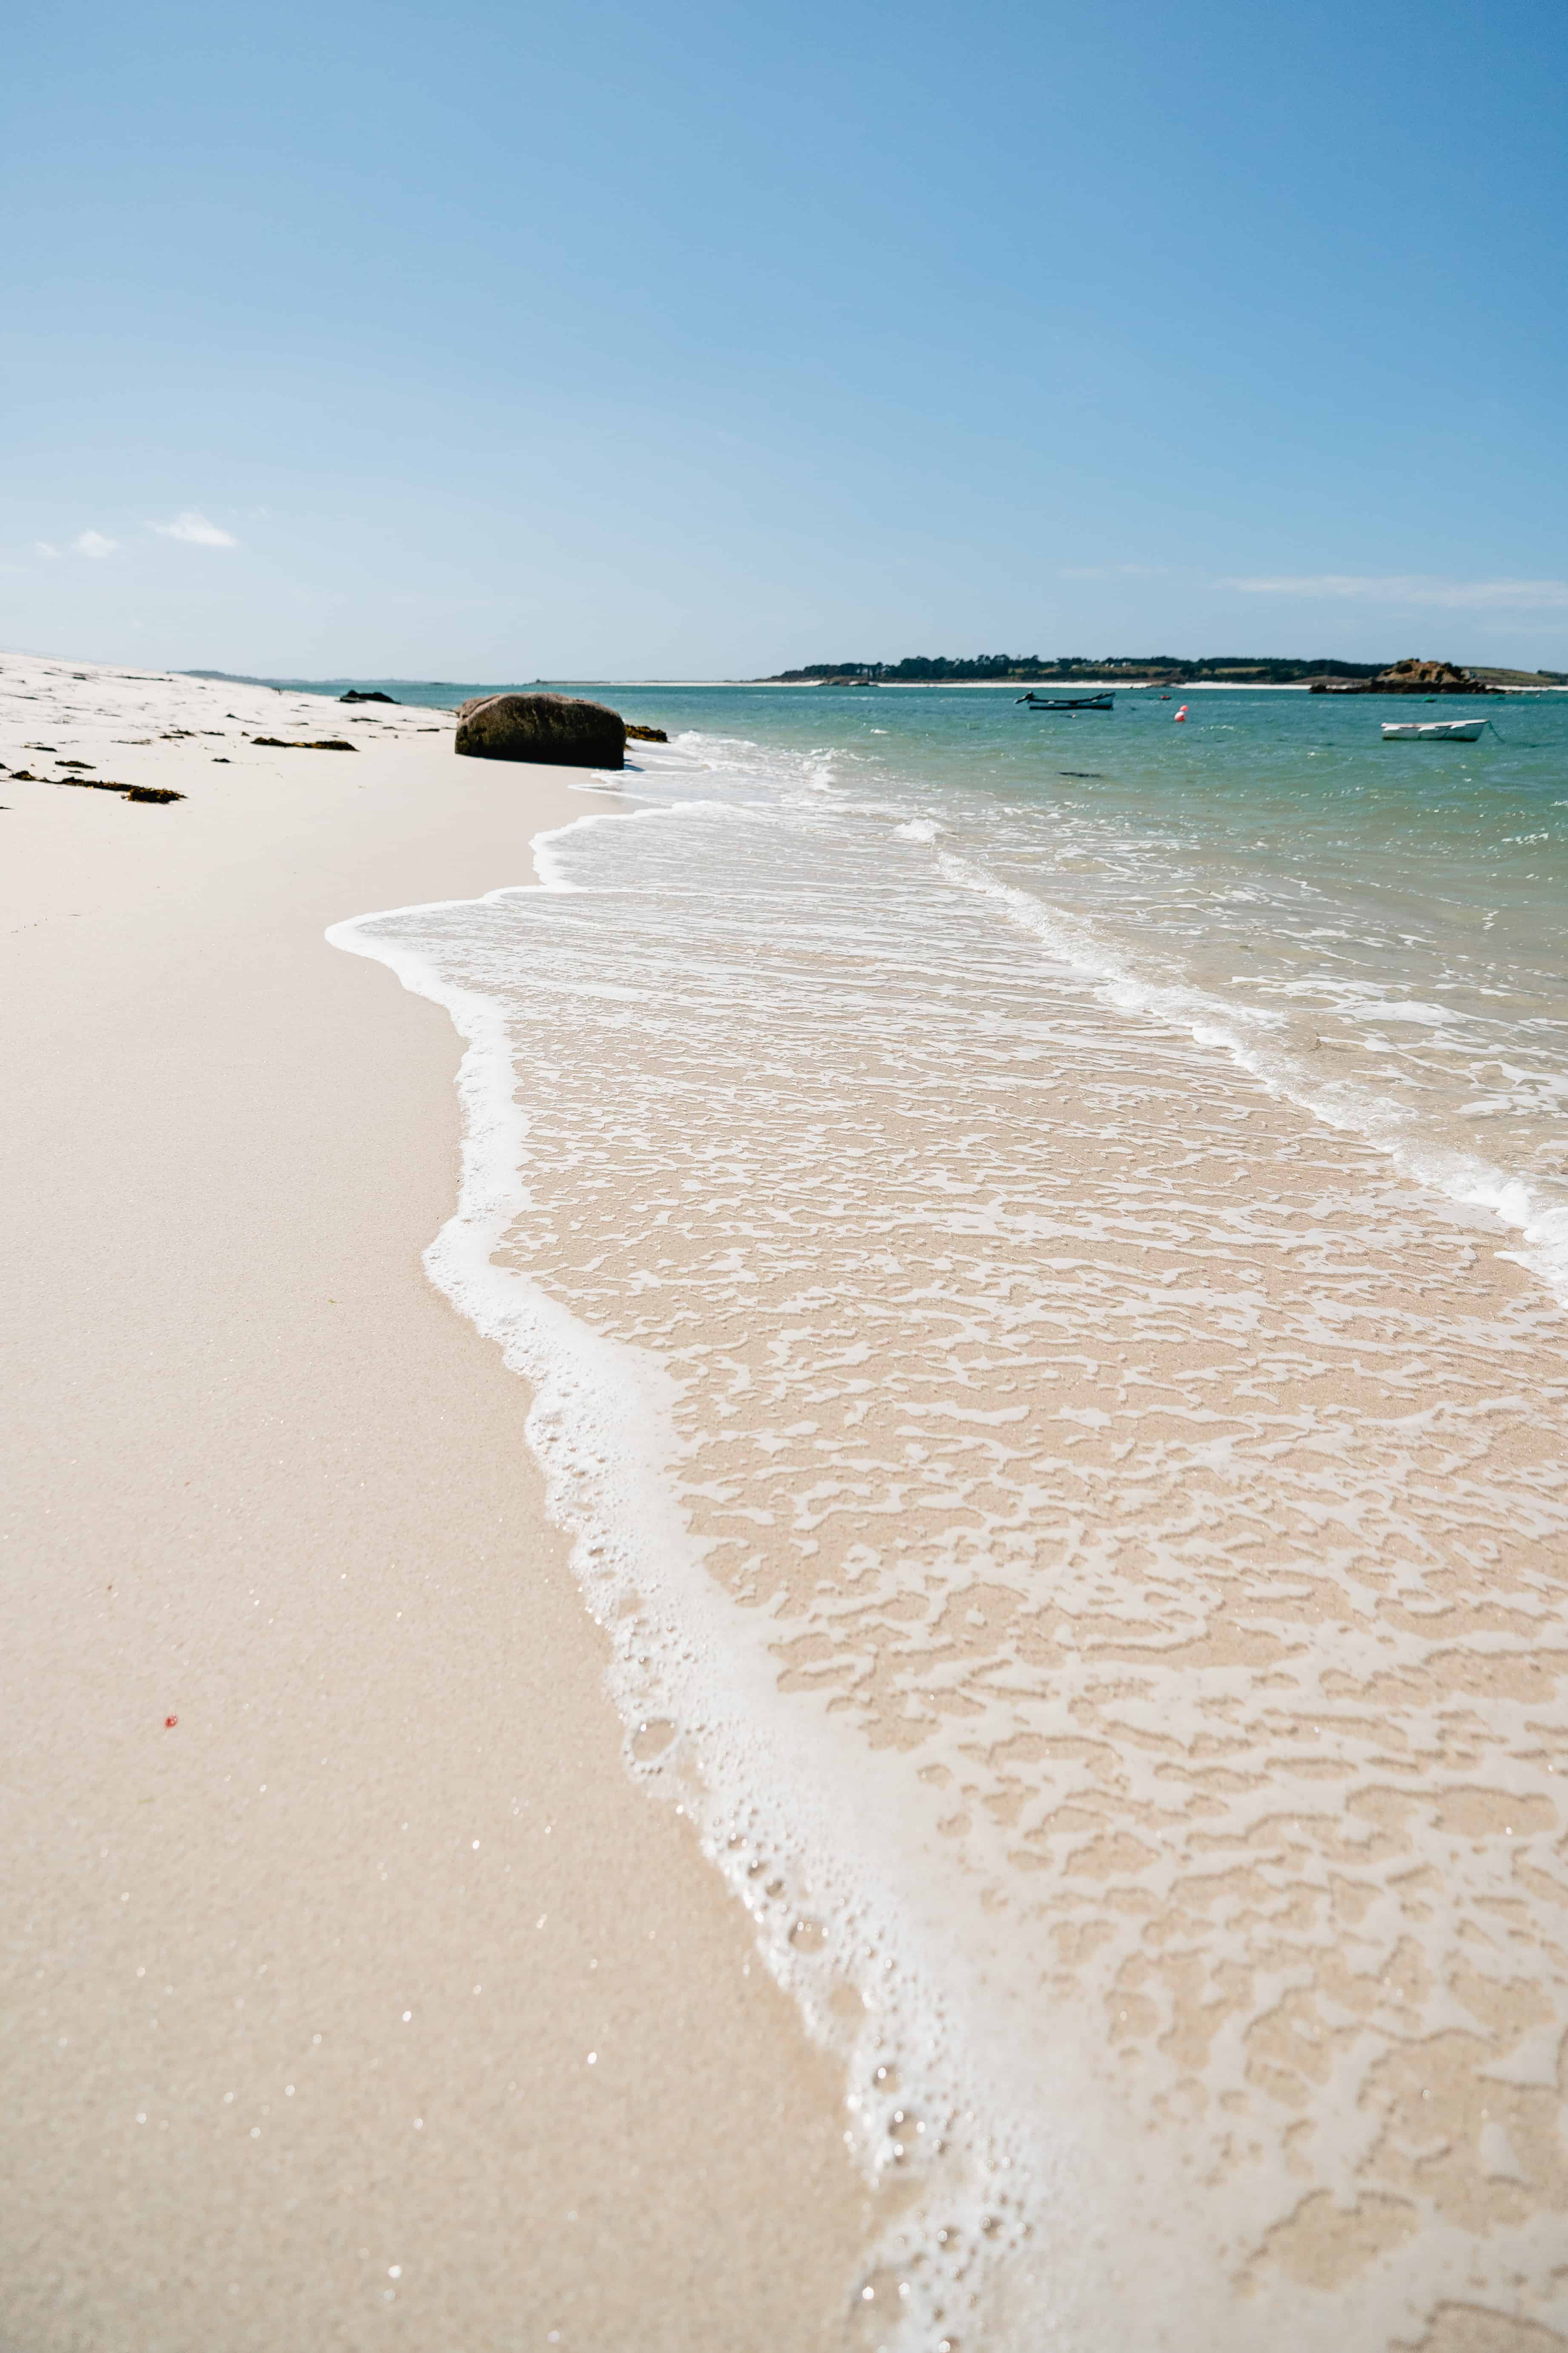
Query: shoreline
x,y
267,1483
1149,1740
333,1562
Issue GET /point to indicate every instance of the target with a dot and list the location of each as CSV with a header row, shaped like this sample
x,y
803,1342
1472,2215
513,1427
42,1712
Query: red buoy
x,y
1182,712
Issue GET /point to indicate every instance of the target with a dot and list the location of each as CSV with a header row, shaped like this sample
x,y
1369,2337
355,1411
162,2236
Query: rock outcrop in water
x,y
370,694
1413,676
646,735
555,728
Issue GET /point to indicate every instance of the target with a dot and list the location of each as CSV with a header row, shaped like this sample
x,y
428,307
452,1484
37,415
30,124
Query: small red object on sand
x,y
169,1722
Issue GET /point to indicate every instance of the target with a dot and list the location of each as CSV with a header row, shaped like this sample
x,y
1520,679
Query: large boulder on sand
x,y
555,728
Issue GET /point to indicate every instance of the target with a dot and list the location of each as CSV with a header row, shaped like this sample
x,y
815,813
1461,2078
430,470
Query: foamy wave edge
x,y
747,1766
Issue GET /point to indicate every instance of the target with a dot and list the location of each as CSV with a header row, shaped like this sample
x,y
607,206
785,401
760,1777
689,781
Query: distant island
x,y
1163,670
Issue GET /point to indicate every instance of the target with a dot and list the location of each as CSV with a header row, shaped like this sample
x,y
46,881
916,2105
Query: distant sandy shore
x,y
354,1996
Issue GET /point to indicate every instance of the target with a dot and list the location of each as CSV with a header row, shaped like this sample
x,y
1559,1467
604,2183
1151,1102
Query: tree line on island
x,y
1163,670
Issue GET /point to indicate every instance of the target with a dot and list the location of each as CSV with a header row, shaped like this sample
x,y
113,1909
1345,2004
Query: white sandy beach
x,y
368,2002
1148,1531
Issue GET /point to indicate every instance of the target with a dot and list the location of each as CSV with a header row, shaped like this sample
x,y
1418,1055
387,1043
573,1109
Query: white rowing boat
x,y
1433,731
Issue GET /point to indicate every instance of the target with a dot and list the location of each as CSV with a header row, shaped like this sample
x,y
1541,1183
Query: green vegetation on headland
x,y
1165,669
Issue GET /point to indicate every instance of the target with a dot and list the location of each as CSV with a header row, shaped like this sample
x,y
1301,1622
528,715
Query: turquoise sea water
x,y
1378,929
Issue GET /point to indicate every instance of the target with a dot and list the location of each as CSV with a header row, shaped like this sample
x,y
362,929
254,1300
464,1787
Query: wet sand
x,y
1141,1513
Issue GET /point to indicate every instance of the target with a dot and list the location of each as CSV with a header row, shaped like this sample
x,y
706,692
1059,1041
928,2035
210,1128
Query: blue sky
x,y
498,341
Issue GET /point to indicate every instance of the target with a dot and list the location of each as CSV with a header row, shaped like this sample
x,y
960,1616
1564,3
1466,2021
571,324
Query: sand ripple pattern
x,y
1175,1493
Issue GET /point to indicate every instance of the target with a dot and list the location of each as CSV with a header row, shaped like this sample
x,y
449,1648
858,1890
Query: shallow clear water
x,y
1010,1264
1379,928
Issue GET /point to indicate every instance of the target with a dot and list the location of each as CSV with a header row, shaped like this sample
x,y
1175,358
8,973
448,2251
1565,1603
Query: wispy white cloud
x,y
93,542
1412,589
195,531
42,547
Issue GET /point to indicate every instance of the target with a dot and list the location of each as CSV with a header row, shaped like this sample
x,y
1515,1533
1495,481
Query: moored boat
x,y
1433,731
1069,701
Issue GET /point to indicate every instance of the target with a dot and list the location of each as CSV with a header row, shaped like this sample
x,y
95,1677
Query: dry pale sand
x,y
367,2002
